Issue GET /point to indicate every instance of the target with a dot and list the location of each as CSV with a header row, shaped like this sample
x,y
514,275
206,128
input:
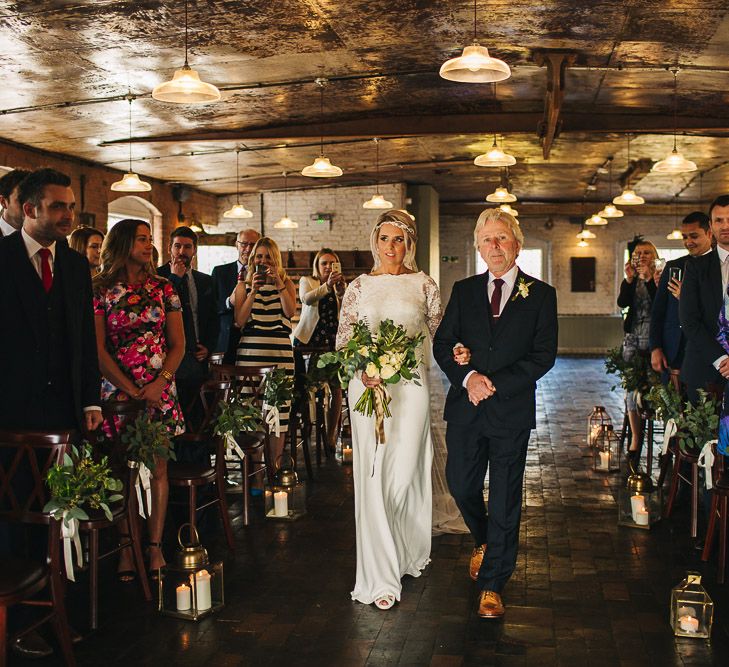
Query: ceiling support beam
x,y
551,124
576,209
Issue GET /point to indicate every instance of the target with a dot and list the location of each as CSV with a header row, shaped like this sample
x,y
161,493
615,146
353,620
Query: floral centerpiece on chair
x,y
636,375
278,389
236,416
668,406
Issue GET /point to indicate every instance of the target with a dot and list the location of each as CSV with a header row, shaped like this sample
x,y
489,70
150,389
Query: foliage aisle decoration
x,y
668,406
389,354
147,441
636,376
76,483
697,430
315,379
278,389
234,417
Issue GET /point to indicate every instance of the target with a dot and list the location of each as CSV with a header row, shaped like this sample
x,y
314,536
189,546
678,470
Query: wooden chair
x,y
679,459
719,511
192,476
117,415
648,437
255,445
25,458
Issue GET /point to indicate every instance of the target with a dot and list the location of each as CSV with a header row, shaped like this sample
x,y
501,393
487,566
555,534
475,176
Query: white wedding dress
x,y
392,482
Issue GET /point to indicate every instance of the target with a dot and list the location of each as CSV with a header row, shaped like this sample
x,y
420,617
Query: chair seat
x,y
97,519
19,577
190,474
722,484
251,439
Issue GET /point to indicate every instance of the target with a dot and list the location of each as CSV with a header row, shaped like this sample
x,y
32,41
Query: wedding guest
x,y
13,215
265,302
87,241
321,298
141,341
636,295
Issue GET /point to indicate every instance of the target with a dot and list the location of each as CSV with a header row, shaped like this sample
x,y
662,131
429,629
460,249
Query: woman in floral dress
x,y
141,341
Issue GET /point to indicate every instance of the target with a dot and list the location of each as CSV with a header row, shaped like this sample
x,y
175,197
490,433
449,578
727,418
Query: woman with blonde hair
x,y
264,305
87,241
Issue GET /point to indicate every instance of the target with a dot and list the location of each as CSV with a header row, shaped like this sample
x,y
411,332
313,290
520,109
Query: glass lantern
x,y
595,421
285,499
192,587
639,501
606,453
692,611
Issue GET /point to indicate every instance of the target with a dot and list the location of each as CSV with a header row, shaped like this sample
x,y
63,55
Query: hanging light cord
x,y
675,106
186,65
474,20
377,163
237,176
286,194
131,99
320,83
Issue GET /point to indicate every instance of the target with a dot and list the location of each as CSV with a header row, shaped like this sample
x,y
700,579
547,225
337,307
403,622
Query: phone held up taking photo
x,y
675,273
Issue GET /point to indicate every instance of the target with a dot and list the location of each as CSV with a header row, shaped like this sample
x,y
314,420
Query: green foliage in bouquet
x,y
699,424
80,482
278,388
635,375
352,357
147,440
236,416
666,401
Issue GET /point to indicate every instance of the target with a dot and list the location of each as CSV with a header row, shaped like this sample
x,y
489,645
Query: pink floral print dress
x,y
135,317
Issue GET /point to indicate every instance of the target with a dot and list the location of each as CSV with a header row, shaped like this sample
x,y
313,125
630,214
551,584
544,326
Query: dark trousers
x,y
474,449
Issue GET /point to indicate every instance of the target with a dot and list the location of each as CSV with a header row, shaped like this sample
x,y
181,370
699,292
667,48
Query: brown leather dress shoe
x,y
476,560
490,605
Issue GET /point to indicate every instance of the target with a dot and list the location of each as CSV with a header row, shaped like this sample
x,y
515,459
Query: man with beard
x,y
197,293
12,216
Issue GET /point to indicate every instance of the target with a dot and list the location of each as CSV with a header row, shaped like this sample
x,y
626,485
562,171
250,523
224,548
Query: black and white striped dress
x,y
265,339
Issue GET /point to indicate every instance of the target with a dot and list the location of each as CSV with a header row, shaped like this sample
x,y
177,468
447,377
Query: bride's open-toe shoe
x,y
385,602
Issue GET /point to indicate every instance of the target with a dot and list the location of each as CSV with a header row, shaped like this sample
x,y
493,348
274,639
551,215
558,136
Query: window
x,y
210,256
530,261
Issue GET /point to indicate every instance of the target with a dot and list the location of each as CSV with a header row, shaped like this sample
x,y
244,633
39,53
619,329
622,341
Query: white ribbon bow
x,y
70,536
638,398
231,445
312,405
668,432
706,459
273,419
143,482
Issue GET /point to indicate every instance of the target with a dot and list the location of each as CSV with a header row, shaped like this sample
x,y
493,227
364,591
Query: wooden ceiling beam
x,y
570,209
551,124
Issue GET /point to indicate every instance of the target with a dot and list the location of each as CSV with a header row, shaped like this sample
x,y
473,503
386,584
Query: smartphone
x,y
336,267
675,273
261,268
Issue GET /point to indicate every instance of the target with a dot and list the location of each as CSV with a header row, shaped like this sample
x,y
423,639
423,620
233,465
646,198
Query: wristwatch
x,y
166,375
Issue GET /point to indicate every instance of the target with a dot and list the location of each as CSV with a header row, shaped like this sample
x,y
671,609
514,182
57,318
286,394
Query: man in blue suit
x,y
666,338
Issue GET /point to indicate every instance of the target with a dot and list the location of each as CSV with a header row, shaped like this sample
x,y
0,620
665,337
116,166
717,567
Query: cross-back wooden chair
x,y
25,458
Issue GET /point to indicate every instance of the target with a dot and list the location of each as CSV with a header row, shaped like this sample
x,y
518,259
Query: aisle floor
x,y
585,592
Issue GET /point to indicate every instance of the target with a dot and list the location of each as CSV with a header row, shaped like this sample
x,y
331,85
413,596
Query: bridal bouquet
x,y
389,354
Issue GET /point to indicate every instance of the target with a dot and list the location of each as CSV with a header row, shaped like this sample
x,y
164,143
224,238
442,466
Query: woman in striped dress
x,y
264,305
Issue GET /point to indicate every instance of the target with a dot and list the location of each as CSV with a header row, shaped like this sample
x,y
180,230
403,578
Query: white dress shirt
x,y
227,300
6,229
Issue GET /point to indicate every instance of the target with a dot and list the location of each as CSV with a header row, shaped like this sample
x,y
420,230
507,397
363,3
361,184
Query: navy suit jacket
x,y
225,278
513,352
665,330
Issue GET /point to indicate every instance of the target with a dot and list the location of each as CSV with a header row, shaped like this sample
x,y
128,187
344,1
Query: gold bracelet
x,y
166,375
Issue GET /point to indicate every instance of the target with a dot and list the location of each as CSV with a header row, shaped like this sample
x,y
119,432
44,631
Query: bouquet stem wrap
x,y
669,431
706,459
70,537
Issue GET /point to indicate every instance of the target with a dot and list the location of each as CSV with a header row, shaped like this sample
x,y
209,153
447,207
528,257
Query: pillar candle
x,y
280,503
689,623
202,588
183,597
604,461
346,455
642,518
637,502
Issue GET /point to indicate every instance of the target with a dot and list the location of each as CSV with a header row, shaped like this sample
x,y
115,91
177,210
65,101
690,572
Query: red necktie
x,y
496,297
46,275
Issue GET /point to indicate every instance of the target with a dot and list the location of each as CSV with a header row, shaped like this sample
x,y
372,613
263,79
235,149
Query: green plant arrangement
x,y
278,389
666,401
236,416
147,440
699,424
635,375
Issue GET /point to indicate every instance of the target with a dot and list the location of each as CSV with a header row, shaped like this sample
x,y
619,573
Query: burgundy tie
x,y
496,297
46,275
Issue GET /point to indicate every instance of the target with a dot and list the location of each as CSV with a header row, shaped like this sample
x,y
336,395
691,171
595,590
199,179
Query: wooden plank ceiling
x,y
66,67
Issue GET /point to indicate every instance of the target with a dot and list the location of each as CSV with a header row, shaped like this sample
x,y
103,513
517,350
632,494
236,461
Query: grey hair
x,y
497,215
402,220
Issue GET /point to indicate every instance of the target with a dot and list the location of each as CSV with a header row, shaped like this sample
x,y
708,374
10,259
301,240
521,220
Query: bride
x,y
392,489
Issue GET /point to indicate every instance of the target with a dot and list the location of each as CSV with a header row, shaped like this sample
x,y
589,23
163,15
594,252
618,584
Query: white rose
x,y
372,371
384,359
363,351
387,372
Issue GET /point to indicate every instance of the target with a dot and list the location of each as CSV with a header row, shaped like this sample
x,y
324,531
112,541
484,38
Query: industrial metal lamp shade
x,y
628,198
675,235
475,65
511,211
495,158
675,163
595,220
131,183
585,234
321,168
500,195
611,212
286,223
238,212
377,201
186,88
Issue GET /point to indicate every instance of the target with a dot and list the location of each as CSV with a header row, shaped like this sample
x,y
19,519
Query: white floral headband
x,y
400,225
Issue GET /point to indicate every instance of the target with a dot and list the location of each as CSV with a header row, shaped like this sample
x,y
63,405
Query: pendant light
x,y
610,210
377,201
501,195
628,196
596,220
286,222
506,208
475,65
676,234
238,211
582,243
186,86
585,234
496,157
675,163
321,167
130,182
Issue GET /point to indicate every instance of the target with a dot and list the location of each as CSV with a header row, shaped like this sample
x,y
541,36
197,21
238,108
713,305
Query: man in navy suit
x,y
508,320
225,278
666,338
12,216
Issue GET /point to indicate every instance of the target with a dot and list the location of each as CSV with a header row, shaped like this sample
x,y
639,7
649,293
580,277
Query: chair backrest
x,y
216,358
246,380
212,392
117,414
25,458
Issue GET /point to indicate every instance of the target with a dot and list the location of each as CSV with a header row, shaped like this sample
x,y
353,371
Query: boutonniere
x,y
522,289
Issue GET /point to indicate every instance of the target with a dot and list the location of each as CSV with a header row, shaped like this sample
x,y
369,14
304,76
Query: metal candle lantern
x,y
286,497
692,610
639,502
192,587
606,454
595,421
